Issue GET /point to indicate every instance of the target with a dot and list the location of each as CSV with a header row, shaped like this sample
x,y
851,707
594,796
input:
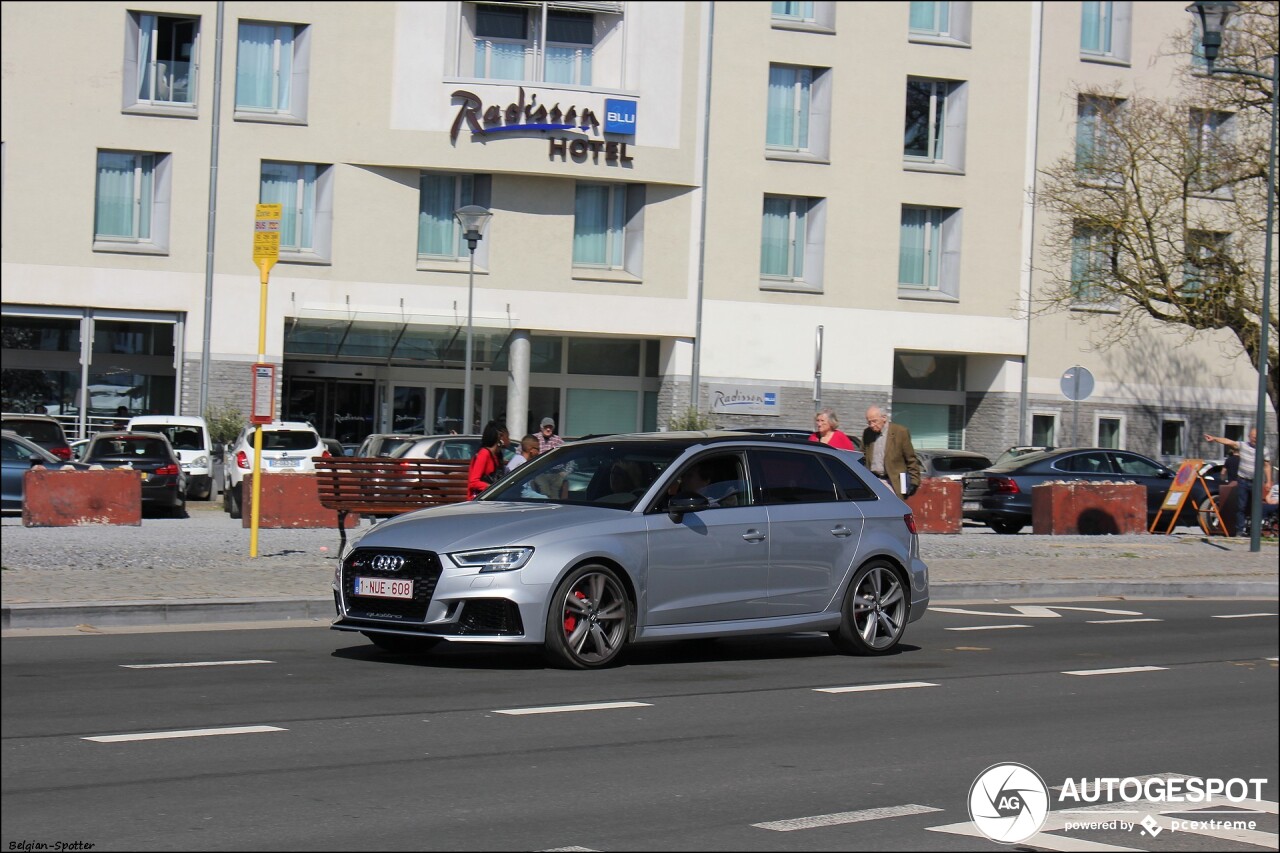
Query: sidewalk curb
x,y
320,608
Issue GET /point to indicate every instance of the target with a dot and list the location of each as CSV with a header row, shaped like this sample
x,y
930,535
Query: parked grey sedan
x,y
642,538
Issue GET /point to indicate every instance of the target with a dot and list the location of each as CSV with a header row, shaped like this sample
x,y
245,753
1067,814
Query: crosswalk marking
x,y
843,817
232,730
193,663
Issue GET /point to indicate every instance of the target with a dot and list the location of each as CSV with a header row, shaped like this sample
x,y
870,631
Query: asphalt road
x,y
725,745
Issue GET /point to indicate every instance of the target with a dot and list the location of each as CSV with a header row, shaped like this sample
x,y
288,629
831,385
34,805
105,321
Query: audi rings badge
x,y
388,563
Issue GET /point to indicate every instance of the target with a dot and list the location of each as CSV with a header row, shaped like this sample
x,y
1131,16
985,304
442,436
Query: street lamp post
x,y
1213,20
473,218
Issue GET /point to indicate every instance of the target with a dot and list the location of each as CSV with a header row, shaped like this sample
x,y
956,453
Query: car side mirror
x,y
680,504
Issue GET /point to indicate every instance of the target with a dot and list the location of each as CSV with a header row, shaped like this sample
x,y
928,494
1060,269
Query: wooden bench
x,y
380,486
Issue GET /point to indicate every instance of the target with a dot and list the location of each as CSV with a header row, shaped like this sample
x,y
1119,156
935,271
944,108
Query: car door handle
x,y
841,530
753,535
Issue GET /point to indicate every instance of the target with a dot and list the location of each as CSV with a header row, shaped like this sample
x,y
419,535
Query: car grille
x,y
421,567
490,616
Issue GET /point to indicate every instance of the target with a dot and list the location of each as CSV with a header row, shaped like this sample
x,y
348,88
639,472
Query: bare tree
x,y
1160,211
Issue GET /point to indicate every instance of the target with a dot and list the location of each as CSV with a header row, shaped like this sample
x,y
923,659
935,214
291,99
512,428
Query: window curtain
x,y
592,228
570,36
293,187
124,181
504,59
1086,133
146,68
799,11
439,197
917,255
787,123
775,238
930,17
256,66
1095,27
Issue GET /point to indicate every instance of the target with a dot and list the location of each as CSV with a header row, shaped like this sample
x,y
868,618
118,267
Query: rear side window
x,y
286,439
789,478
1136,466
1085,463
848,484
36,430
954,464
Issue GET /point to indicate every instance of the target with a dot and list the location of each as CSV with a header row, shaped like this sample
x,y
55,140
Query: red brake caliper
x,y
571,621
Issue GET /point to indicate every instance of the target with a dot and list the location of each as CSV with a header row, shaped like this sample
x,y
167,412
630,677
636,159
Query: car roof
x,y
167,420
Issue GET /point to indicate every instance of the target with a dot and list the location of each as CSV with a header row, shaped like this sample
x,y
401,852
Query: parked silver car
x,y
640,538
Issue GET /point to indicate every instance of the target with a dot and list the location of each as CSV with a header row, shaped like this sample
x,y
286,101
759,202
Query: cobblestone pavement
x,y
205,559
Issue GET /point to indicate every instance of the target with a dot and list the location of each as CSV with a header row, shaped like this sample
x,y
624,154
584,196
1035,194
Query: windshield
x,y
182,437
609,475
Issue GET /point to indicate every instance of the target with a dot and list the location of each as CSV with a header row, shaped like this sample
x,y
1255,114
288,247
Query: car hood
x,y
485,524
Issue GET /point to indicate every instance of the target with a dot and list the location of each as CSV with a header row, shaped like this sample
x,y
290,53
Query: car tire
x,y
1008,528
1211,520
589,619
399,644
232,501
874,614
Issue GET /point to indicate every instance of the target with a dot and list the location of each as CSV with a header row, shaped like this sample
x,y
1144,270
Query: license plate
x,y
284,463
971,505
384,587
145,475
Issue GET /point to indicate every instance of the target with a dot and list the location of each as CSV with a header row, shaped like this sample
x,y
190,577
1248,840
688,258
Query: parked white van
x,y
190,439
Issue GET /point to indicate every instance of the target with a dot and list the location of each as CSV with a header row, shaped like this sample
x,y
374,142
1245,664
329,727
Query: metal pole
x,y
466,390
1264,351
213,214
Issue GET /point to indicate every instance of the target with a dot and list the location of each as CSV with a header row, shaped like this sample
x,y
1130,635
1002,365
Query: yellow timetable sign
x,y
266,233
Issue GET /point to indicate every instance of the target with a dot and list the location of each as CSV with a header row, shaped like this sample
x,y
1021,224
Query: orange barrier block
x,y
1088,509
936,506
288,501
72,498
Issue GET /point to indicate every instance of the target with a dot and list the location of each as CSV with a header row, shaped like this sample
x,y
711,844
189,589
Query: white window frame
x,y
1095,139
806,231
321,249
1200,243
819,17
299,77
1210,132
157,242
1115,21
624,250
605,49
816,125
479,194
1086,293
949,155
942,254
1121,429
955,32
137,67
1055,426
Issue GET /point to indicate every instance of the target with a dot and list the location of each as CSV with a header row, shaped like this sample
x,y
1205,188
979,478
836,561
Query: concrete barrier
x,y
1088,509
289,500
937,506
63,498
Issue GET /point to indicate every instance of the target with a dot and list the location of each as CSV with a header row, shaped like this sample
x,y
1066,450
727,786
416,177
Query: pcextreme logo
x,y
1008,803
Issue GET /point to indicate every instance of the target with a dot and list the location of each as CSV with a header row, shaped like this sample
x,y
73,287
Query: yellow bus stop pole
x,y
266,251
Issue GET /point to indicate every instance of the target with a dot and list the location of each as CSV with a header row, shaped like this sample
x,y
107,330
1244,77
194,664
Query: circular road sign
x,y
1077,383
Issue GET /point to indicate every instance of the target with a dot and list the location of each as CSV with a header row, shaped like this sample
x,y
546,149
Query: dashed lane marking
x,y
986,627
863,688
1120,621
565,709
232,730
1119,670
1242,615
193,663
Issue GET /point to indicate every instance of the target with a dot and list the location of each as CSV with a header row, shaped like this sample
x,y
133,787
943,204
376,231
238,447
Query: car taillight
x,y
242,460
910,520
324,454
1003,485
167,469
63,453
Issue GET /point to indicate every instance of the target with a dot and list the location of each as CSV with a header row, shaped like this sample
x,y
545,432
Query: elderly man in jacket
x,y
889,453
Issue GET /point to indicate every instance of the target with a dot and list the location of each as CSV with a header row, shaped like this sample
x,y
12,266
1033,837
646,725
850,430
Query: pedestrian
x,y
889,453
547,438
486,465
528,449
1247,451
825,423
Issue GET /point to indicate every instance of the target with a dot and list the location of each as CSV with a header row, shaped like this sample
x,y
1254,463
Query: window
x,y
1209,135
1206,263
1104,31
933,131
1093,258
929,251
1135,466
1044,429
815,16
791,242
272,70
440,194
1110,432
305,194
798,111
160,60
540,42
793,11
1096,119
1173,437
940,23
791,478
608,226
131,204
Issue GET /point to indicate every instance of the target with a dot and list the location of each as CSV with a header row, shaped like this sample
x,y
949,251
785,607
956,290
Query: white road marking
x,y
1120,670
1242,615
562,709
233,730
986,627
1120,621
194,663
1042,840
901,685
570,850
1035,611
843,818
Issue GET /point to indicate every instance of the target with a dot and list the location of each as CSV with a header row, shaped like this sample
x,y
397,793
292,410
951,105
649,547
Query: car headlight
x,y
492,559
200,462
